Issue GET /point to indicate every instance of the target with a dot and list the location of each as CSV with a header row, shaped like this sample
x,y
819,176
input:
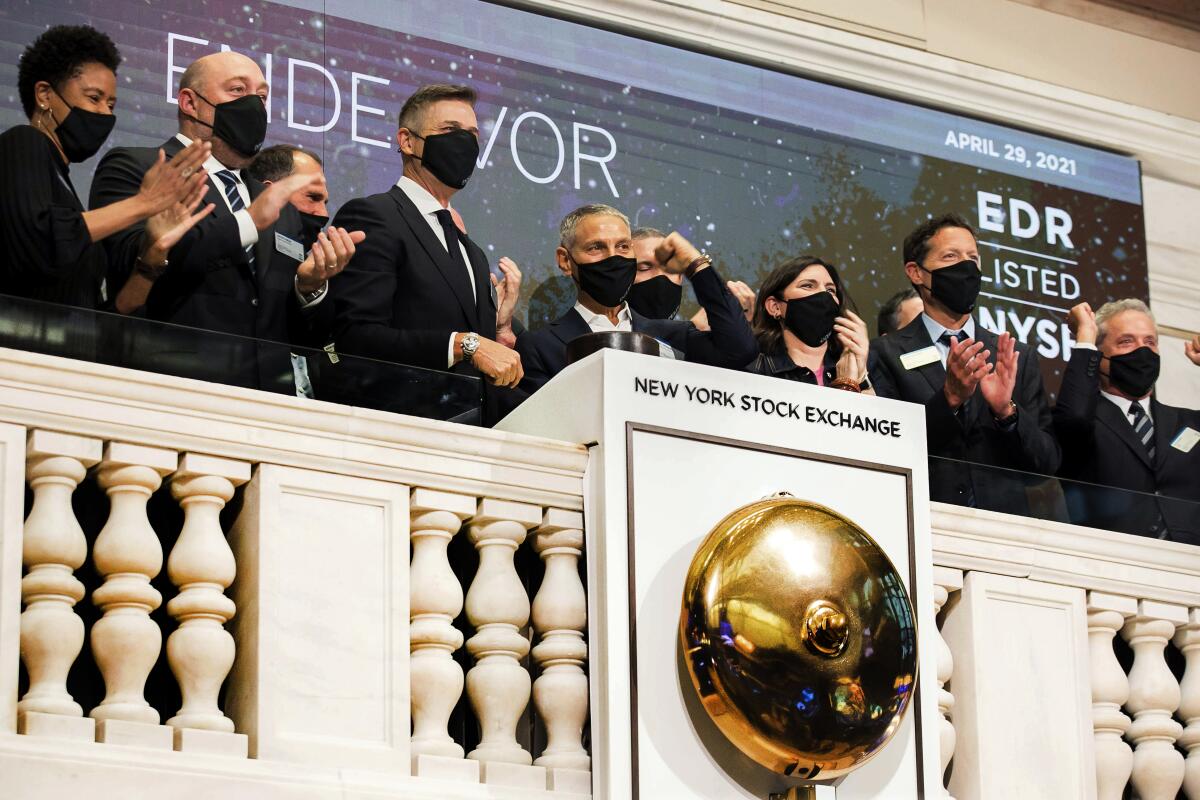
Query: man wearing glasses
x,y
420,291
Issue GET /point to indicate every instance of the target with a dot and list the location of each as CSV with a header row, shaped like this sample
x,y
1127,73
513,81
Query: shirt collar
x,y
1125,404
211,165
589,317
426,203
936,329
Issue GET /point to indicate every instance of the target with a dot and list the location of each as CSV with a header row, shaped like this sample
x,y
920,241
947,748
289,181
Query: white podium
x,y
674,448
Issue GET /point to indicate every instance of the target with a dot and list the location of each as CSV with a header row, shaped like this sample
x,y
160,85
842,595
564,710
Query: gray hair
x,y
566,228
647,233
1115,307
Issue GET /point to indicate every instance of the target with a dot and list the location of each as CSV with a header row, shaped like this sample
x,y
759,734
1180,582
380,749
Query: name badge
x,y
289,247
919,358
1186,439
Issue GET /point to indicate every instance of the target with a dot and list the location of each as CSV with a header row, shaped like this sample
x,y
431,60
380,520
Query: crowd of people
x,y
210,230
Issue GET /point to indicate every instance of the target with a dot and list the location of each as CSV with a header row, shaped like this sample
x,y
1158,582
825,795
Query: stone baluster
x,y
53,548
1187,639
201,565
436,598
560,693
945,582
1153,697
1110,691
127,554
498,608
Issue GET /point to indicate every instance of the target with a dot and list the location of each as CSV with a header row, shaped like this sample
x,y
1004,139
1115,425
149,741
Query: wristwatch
x,y
310,297
470,343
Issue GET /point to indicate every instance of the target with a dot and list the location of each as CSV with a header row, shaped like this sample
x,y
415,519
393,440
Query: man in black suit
x,y
420,291
241,270
596,251
991,413
1115,432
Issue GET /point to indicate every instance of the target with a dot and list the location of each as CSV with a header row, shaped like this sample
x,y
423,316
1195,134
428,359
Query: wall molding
x,y
1168,146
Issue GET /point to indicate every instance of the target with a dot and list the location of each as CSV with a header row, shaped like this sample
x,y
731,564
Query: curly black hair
x,y
58,55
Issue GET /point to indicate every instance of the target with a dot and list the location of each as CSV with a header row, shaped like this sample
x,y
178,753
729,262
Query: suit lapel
x,y
915,337
484,291
265,247
1112,418
436,252
569,326
1166,425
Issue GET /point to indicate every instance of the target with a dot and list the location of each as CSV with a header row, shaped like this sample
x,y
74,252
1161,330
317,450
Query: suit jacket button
x,y
254,302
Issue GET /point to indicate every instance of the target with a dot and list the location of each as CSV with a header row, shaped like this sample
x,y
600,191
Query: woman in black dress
x,y
806,329
49,245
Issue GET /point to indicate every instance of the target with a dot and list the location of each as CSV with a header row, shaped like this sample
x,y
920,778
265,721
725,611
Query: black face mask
x,y
811,318
82,133
1135,372
310,226
450,156
956,287
607,281
657,298
241,123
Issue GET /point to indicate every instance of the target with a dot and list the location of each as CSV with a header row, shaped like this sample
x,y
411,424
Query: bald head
x,y
206,83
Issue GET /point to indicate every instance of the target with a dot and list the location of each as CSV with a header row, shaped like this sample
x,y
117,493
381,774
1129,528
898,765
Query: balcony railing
x,y
204,591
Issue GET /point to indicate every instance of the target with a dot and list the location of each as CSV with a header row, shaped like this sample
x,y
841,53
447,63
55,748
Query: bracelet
x,y
849,384
148,272
1010,416
702,259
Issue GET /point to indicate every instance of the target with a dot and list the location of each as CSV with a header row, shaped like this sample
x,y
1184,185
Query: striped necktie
x,y
236,204
1142,427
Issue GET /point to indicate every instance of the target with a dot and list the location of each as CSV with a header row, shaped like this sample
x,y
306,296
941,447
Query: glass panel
x,y
1060,500
143,344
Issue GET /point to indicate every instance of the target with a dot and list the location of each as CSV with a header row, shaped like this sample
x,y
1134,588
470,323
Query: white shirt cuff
x,y
246,228
315,301
1084,346
450,352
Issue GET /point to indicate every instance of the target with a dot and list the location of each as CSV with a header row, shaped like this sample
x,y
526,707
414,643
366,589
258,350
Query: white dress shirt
x,y
600,323
246,228
936,330
428,206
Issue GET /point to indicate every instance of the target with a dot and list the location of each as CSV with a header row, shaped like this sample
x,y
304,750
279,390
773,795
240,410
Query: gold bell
x,y
799,637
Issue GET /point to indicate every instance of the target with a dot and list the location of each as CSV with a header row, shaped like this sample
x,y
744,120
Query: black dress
x,y
47,252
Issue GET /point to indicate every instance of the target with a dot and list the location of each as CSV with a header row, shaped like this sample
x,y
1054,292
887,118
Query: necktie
x,y
236,204
947,336
451,234
1142,427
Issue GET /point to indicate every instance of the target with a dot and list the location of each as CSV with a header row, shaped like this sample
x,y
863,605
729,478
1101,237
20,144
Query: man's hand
x,y
1082,321
264,211
851,331
965,367
501,365
1192,350
675,253
174,181
745,297
507,293
166,228
329,255
998,385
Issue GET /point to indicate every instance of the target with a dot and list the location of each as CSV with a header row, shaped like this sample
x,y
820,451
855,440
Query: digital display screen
x,y
754,165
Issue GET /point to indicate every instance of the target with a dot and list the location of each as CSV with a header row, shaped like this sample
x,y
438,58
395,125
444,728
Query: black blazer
x,y
209,283
730,343
401,297
1100,447
972,434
